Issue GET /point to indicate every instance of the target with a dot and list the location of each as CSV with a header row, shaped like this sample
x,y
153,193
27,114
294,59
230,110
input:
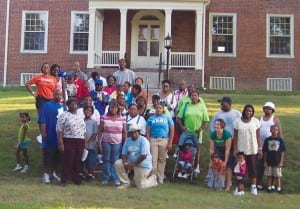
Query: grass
x,y
27,191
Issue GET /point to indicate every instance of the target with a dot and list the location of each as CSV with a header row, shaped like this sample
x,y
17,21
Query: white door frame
x,y
136,21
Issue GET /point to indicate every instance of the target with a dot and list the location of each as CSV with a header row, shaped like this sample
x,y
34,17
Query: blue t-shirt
x,y
160,125
48,115
134,149
128,98
91,128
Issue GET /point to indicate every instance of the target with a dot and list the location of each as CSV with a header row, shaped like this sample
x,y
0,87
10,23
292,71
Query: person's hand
x,y
183,129
61,148
169,147
100,149
280,164
44,137
235,153
128,167
260,154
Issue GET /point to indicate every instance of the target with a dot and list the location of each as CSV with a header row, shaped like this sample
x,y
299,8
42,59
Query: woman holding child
x,y
220,143
247,140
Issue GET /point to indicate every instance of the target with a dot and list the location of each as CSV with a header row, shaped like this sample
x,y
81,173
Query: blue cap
x,y
98,82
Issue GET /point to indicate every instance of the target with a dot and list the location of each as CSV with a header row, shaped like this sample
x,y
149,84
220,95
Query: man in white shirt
x,y
124,74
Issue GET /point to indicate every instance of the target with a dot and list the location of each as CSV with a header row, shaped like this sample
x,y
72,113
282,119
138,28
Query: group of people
x,y
246,145
79,115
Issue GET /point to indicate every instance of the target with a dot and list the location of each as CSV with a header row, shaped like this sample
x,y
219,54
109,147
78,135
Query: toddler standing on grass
x,y
240,171
274,149
23,142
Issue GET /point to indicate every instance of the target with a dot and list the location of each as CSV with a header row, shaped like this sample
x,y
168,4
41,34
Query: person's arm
x,y
60,141
148,131
171,135
280,164
235,142
277,122
259,143
29,89
227,150
180,124
92,138
124,134
211,150
43,131
25,130
101,127
265,159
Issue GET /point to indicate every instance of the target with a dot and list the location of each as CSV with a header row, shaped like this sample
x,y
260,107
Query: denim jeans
x,y
111,153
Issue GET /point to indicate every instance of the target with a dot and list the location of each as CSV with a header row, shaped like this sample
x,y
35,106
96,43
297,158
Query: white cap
x,y
133,127
270,104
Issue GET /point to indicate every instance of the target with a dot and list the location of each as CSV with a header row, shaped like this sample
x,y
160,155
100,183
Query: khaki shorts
x,y
273,171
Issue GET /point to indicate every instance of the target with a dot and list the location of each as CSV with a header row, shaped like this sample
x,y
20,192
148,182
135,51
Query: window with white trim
x,y
222,38
34,31
79,40
280,36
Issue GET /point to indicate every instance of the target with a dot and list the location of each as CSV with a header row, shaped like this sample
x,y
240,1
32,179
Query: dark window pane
x,y
80,42
34,40
142,48
154,49
222,44
280,45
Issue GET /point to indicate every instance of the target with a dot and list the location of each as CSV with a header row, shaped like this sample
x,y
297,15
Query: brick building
x,y
217,44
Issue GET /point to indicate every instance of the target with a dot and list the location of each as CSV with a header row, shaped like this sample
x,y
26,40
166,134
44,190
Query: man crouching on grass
x,y
136,155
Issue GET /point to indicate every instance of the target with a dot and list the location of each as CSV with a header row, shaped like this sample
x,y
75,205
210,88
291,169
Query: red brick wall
x,y
250,66
58,36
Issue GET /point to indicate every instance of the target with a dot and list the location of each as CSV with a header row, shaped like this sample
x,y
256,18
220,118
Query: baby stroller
x,y
184,169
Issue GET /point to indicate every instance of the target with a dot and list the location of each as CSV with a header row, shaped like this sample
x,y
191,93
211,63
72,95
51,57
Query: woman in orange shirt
x,y
45,85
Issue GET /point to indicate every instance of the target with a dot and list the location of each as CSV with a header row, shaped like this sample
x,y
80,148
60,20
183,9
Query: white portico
x,y
142,28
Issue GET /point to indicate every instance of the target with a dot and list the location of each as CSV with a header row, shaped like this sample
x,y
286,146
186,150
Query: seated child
x,y
240,171
274,149
185,161
216,176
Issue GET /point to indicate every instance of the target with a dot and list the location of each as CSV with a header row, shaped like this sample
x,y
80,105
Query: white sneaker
x,y
18,167
197,170
253,190
185,176
175,155
237,193
55,176
242,193
124,186
46,178
179,175
25,169
39,139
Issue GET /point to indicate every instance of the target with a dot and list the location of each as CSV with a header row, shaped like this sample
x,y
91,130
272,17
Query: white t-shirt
x,y
247,141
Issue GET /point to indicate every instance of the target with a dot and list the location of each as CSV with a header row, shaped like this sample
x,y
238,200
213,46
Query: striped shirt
x,y
112,129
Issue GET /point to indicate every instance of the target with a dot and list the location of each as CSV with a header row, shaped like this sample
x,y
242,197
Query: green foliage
x,y
27,191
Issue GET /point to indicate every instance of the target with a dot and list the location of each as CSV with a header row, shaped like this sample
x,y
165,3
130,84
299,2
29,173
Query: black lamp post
x,y
168,46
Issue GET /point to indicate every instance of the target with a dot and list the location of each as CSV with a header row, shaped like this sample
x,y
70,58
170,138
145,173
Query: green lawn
x,y
27,191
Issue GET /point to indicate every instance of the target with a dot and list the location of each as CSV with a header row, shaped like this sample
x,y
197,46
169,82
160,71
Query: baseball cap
x,y
270,104
133,127
99,82
225,99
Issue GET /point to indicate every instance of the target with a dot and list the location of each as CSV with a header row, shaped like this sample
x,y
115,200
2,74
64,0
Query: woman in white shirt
x,y
247,140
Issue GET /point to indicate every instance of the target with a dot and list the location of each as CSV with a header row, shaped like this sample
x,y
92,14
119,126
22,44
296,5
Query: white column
x,y
168,24
99,32
91,50
123,26
198,40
